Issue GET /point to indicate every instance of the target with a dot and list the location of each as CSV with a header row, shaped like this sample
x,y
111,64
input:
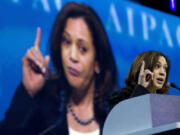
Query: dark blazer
x,y
126,93
45,113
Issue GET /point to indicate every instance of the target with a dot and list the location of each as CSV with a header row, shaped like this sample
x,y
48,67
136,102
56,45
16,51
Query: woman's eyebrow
x,y
158,62
81,40
66,33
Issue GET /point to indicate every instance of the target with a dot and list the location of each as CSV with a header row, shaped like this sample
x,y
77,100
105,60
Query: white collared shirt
x,y
74,132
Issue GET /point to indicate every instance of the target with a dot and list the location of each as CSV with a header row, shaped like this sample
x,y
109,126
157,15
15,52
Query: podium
x,y
145,115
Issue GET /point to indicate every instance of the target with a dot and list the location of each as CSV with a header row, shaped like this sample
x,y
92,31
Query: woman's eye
x,y
82,49
165,68
157,66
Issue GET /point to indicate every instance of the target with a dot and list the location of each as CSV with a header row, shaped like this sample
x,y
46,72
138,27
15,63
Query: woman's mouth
x,y
160,81
73,71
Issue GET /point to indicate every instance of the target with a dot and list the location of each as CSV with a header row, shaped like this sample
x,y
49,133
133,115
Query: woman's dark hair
x,y
106,79
150,58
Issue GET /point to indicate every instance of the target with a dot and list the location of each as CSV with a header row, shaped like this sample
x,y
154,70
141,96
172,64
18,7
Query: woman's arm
x,y
21,110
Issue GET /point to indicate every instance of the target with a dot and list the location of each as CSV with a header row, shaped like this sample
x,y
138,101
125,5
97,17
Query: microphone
x,y
49,130
174,85
52,129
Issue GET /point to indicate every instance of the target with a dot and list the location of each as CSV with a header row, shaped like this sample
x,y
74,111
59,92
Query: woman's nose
x,y
74,56
162,72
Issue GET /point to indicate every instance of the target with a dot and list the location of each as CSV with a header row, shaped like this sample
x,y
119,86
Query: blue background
x,y
128,37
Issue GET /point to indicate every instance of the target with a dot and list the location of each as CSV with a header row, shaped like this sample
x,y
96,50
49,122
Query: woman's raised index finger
x,y
142,67
38,38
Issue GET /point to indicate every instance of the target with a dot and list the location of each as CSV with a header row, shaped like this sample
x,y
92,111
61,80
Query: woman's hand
x,y
145,76
34,67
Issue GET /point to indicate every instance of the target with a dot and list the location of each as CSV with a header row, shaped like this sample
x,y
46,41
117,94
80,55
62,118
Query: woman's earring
x,y
97,71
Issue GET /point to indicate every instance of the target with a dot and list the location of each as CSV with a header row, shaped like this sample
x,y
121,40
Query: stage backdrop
x,y
131,28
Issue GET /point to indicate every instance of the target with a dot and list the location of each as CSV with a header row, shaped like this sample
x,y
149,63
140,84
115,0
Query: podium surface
x,y
144,115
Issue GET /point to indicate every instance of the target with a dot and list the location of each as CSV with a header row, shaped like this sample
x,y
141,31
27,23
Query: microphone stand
x,y
174,86
48,130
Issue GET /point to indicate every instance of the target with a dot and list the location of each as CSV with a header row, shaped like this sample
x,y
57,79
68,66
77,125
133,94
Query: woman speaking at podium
x,y
148,74
74,100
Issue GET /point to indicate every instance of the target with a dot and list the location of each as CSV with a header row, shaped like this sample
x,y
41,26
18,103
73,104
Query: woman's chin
x,y
158,86
75,82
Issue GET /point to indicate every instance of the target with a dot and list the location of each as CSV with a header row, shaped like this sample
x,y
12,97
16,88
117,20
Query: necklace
x,y
82,122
